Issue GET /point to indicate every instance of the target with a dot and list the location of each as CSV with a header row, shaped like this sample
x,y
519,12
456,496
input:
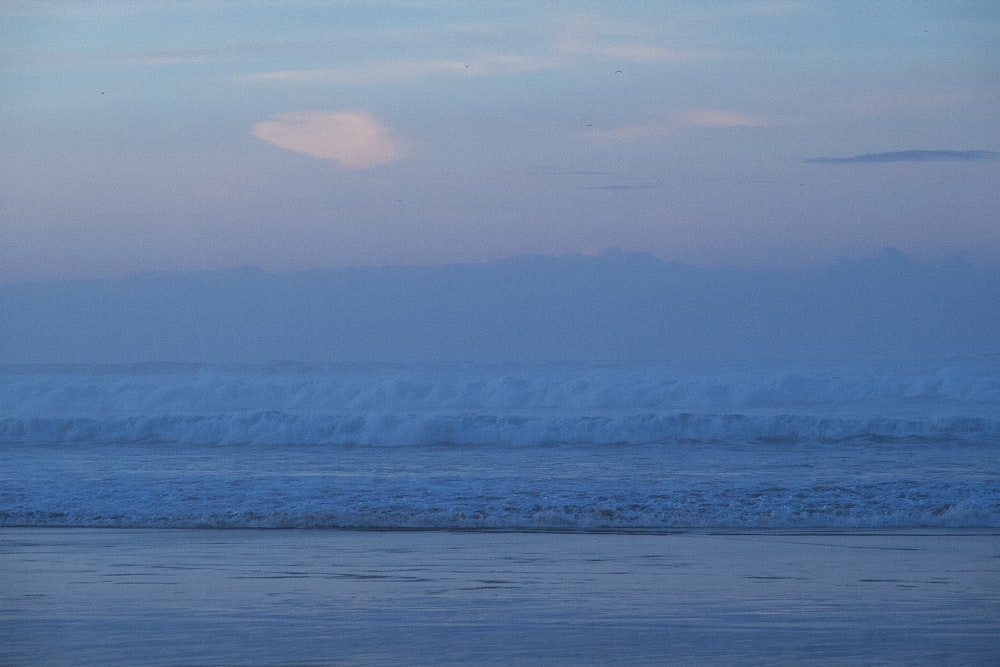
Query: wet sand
x,y
188,597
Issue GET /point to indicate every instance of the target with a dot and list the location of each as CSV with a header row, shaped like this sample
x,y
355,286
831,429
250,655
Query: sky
x,y
142,136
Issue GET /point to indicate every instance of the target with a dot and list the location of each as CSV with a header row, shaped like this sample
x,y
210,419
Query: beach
x,y
315,597
578,513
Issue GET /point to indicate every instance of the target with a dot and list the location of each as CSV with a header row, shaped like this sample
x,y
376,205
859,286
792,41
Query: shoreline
x,y
892,531
79,596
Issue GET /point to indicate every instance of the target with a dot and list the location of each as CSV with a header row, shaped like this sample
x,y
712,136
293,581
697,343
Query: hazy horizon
x,y
876,255
611,306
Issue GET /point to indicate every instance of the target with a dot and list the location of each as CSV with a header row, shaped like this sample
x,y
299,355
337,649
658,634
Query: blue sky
x,y
182,135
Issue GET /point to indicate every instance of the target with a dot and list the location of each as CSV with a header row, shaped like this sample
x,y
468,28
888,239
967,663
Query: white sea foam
x,y
543,447
489,404
280,428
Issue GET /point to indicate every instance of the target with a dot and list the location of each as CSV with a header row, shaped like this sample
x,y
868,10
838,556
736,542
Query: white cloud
x,y
354,139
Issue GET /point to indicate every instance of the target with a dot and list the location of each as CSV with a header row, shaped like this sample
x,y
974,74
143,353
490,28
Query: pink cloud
x,y
354,139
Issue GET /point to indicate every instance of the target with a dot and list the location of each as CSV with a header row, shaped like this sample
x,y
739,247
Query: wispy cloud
x,y
374,73
591,35
165,57
721,118
574,44
774,8
405,70
628,52
910,156
354,139
695,118
622,186
629,132
559,170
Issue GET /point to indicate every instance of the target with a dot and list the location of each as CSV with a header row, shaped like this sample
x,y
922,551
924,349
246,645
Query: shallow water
x,y
264,597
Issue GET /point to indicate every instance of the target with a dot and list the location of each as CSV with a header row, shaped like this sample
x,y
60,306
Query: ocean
x,y
822,513
578,447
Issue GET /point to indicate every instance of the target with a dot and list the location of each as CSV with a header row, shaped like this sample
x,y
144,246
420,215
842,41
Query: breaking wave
x,y
578,447
280,428
517,404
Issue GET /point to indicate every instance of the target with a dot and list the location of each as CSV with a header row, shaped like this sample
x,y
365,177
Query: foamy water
x,y
588,446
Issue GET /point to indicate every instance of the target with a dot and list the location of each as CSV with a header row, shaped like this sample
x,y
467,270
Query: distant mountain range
x,y
618,305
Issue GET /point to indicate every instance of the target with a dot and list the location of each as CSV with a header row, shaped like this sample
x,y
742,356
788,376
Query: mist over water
x,y
615,392
617,306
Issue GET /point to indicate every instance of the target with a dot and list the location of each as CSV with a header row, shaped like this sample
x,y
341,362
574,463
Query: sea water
x,y
644,447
